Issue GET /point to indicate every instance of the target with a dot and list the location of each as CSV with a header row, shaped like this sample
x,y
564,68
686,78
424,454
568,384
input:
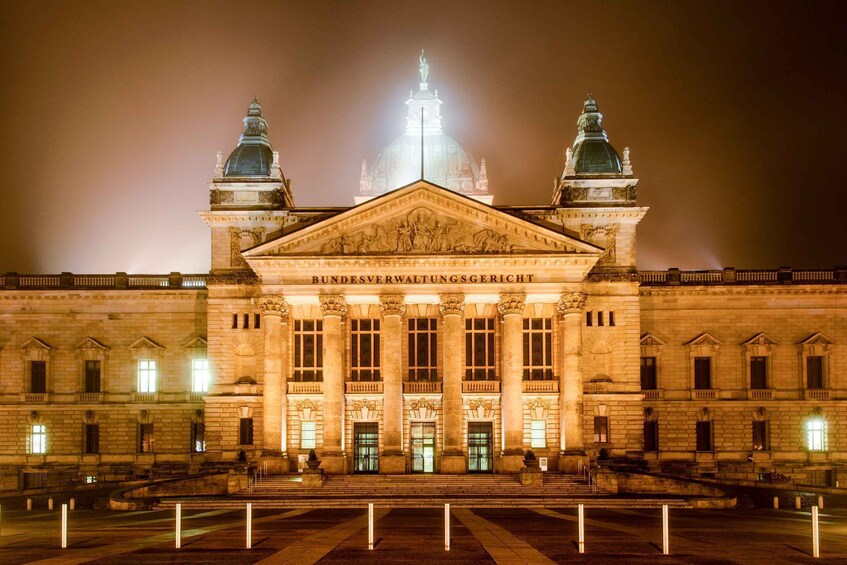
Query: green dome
x,y
253,156
592,152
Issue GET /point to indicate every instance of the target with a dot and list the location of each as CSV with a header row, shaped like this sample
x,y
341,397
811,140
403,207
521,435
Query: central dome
x,y
424,152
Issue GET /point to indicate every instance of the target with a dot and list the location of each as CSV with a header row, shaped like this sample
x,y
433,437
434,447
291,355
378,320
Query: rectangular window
x,y
651,435
38,439
198,437
146,376
92,376
307,435
146,441
600,318
601,429
38,377
246,325
611,318
257,321
199,375
308,350
423,349
589,321
480,362
235,321
814,372
702,373
816,436
760,436
364,350
537,349
648,373
245,431
758,372
91,439
538,434
704,436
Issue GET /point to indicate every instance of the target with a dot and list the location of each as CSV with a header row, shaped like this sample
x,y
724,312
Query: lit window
x,y
538,437
199,375
198,437
816,435
146,376
307,435
90,479
38,439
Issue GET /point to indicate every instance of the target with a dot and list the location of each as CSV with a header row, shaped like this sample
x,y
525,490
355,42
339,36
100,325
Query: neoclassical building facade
x,y
423,330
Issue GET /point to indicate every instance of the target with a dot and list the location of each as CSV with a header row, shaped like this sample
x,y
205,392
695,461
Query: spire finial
x,y
424,67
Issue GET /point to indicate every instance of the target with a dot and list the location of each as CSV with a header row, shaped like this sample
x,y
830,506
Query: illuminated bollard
x,y
820,502
581,533
50,503
249,525
776,503
798,503
72,504
665,531
28,504
816,548
178,533
447,527
370,525
64,526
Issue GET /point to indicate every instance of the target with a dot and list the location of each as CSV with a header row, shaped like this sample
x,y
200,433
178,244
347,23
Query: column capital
x,y
452,304
511,303
273,305
571,303
333,305
392,304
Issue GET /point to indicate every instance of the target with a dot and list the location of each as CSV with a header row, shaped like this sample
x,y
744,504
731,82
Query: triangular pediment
x,y
35,343
144,343
197,343
705,338
818,338
422,219
649,339
761,338
91,343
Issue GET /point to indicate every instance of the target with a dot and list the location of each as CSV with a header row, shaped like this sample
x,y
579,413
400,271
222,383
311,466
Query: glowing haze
x,y
112,114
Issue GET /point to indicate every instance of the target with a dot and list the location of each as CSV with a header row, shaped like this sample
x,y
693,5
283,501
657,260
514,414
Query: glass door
x,y
365,447
423,447
480,456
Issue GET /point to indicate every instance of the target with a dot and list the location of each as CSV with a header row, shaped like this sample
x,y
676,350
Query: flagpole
x,y
422,143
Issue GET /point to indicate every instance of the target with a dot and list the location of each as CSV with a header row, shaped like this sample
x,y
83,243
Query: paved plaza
x,y
543,535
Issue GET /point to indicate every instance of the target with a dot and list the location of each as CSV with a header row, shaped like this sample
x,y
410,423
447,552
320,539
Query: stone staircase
x,y
425,491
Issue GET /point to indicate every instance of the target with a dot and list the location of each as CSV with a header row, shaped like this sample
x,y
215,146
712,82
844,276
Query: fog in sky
x,y
112,113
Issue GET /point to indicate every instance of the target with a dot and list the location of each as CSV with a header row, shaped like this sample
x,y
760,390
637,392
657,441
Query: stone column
x,y
453,340
393,459
274,311
570,308
511,396
334,309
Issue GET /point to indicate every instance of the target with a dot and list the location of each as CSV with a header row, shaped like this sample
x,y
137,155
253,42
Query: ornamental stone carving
x,y
571,303
243,239
307,409
274,305
511,303
452,304
392,305
423,409
602,236
333,305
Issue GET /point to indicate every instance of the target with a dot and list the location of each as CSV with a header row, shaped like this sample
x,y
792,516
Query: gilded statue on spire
x,y
424,67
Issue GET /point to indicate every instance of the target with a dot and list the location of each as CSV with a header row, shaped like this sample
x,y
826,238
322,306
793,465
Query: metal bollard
x,y
665,531
72,504
249,525
820,502
776,503
50,503
178,532
64,526
447,527
370,525
581,533
816,548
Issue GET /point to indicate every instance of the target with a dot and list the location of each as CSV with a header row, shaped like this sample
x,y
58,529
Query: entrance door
x,y
365,447
480,457
423,447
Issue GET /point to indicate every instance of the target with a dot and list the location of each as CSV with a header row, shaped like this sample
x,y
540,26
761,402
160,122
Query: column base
x,y
572,461
454,464
334,463
392,464
511,463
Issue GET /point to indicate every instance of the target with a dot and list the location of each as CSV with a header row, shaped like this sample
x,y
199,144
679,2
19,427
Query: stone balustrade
x,y
480,386
14,281
422,387
363,387
541,386
730,275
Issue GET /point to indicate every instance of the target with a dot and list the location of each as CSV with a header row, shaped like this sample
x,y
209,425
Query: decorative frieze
x,y
511,303
392,305
571,303
333,305
274,305
452,304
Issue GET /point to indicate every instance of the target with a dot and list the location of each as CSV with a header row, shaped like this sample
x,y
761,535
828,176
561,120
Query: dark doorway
x,y
366,447
480,456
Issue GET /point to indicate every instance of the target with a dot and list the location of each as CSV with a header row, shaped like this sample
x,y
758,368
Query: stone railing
x,y
652,394
541,386
363,387
422,387
703,394
144,397
34,397
119,281
89,397
308,387
760,394
784,275
817,394
480,386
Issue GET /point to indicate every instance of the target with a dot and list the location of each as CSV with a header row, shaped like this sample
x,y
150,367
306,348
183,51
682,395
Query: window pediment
x,y
196,344
34,343
705,339
144,343
91,343
818,338
650,340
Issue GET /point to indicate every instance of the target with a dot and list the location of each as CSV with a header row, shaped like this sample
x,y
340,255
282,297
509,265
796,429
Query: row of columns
x,y
392,460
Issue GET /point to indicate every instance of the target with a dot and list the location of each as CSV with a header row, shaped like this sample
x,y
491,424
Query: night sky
x,y
112,114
